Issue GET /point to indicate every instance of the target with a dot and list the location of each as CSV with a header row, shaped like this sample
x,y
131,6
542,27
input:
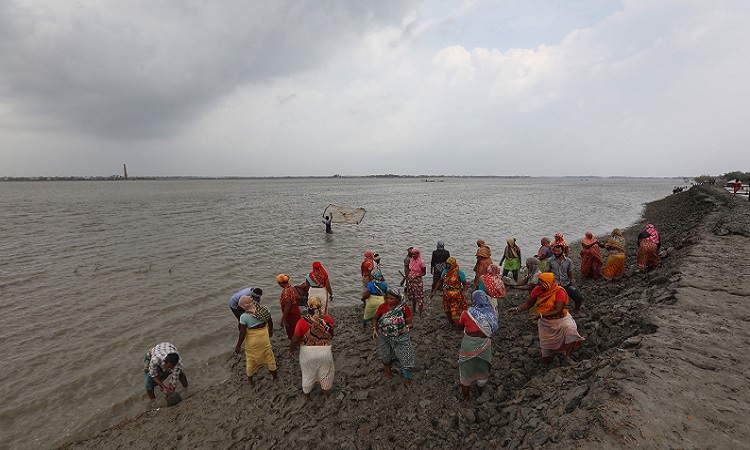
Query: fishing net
x,y
343,214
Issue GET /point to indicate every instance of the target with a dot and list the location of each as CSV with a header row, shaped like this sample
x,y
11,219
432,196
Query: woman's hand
x,y
374,333
237,349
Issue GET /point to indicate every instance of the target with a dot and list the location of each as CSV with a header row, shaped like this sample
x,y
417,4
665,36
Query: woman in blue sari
x,y
479,323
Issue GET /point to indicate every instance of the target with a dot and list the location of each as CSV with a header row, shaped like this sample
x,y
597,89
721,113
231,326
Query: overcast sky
x,y
357,87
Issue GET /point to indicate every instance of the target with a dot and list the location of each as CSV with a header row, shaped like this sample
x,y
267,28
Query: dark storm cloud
x,y
138,70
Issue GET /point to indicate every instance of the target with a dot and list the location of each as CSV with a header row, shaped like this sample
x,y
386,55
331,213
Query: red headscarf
x,y
318,275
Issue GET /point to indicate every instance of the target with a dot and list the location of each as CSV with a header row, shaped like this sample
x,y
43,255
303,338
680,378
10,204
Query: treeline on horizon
x,y
729,176
425,177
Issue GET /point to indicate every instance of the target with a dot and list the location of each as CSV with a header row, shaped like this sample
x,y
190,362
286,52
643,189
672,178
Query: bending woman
x,y
373,298
315,333
558,331
392,324
616,259
479,323
648,247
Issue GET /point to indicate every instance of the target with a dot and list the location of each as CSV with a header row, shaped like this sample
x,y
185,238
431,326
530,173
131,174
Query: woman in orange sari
x,y
591,257
484,260
616,259
648,247
558,331
453,283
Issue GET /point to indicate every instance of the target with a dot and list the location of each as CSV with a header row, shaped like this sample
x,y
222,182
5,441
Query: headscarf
x,y
653,234
320,332
313,306
318,276
532,262
545,302
484,252
452,278
541,254
589,239
480,243
395,292
417,263
368,264
616,243
440,245
493,282
482,313
254,308
510,249
282,278
378,288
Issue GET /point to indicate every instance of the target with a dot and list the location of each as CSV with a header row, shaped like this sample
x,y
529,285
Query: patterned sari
x,y
616,260
475,355
395,342
648,247
315,355
453,294
591,257
289,297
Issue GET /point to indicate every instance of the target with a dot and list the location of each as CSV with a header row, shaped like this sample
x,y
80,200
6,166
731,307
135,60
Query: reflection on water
x,y
94,273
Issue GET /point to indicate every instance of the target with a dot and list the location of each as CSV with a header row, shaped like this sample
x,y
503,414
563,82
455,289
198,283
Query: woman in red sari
x,y
591,257
290,312
453,283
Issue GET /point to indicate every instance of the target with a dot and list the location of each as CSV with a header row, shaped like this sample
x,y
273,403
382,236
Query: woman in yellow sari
x,y
256,330
453,283
616,260
558,331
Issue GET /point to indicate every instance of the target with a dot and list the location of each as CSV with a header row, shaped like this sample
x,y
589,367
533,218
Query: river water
x,y
92,274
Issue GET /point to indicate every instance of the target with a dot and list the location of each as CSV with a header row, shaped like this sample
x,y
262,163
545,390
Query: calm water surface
x,y
92,274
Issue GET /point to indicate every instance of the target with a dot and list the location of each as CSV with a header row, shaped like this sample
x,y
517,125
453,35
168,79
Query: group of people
x,y
548,277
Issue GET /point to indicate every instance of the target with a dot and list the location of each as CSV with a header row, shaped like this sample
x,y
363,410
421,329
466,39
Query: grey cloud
x,y
139,70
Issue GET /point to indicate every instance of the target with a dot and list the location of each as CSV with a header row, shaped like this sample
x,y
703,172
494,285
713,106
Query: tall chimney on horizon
x,y
125,169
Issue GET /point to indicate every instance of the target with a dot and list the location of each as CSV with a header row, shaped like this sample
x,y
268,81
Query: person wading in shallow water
x,y
327,221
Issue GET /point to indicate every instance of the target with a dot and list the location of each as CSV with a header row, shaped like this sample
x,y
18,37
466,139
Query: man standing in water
x,y
327,221
161,362
562,267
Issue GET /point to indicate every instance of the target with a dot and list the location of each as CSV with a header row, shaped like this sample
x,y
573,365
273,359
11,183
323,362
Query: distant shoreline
x,y
311,177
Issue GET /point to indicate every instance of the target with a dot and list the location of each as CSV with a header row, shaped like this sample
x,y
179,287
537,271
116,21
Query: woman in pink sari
x,y
591,257
414,282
